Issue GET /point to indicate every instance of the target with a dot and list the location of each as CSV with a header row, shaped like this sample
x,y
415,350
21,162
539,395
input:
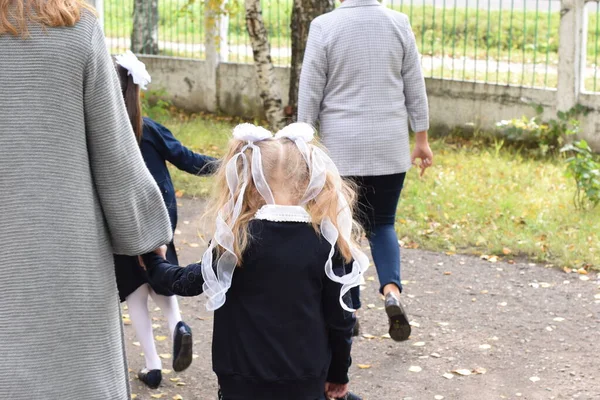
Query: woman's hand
x,y
423,152
336,390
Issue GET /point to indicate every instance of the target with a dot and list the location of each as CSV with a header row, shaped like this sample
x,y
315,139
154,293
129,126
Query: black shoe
x,y
350,396
151,378
182,347
356,329
399,325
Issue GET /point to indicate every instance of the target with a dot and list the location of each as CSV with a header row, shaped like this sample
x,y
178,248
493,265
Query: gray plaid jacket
x,y
362,80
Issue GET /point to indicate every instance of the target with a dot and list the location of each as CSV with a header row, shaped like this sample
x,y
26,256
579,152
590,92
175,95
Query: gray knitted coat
x,y
73,190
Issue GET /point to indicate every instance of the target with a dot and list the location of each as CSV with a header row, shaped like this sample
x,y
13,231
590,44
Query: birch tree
x,y
303,13
144,35
267,81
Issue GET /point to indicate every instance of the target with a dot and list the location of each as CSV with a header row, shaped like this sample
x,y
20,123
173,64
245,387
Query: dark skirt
x,y
130,275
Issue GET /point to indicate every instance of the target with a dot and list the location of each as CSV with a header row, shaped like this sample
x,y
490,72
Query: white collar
x,y
277,213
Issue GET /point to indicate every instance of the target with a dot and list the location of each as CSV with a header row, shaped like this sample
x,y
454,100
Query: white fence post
x,y
571,53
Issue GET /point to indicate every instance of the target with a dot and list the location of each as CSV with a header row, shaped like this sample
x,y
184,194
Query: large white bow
x,y
218,280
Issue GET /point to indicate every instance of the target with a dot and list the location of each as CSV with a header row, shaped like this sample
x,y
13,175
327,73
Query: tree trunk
x,y
144,35
267,82
303,13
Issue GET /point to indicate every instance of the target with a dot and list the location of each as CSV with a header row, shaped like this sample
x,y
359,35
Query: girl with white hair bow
x,y
277,271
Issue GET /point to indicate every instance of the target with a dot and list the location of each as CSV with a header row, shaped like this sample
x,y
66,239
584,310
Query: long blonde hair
x,y
287,172
16,15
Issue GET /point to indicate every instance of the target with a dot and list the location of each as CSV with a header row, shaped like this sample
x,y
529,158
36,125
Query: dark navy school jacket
x,y
159,146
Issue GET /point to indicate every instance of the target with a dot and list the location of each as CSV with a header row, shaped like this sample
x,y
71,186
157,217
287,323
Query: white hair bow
x,y
218,281
135,68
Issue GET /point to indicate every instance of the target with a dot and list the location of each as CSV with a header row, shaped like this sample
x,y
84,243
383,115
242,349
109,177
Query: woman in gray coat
x,y
73,190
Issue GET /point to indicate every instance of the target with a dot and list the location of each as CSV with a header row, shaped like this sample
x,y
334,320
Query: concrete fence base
x,y
192,85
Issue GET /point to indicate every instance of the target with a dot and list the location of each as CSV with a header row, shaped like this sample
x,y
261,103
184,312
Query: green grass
x,y
476,200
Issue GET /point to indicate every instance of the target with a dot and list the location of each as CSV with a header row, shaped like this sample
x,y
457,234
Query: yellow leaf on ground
x,y
166,371
419,344
155,326
438,397
370,306
506,251
177,397
175,379
415,324
157,396
194,245
559,319
534,379
133,396
137,344
371,278
180,384
165,356
160,338
368,336
447,273
179,194
485,347
584,278
463,372
386,336
363,366
448,376
177,232
126,321
415,368
582,271
479,371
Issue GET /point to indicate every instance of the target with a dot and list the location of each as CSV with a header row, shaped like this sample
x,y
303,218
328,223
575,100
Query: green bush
x,y
584,167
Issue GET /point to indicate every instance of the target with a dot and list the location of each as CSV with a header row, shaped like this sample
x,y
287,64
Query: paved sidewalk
x,y
528,332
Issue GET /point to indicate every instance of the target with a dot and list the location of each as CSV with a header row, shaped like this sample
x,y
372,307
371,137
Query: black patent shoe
x,y
399,324
151,378
182,347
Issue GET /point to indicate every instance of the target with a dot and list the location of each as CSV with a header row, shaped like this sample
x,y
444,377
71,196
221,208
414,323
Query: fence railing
x,y
500,42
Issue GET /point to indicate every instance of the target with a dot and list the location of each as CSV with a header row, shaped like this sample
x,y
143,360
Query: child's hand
x,y
161,251
336,390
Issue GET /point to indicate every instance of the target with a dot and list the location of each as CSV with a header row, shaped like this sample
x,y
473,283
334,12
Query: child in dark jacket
x,y
277,270
158,146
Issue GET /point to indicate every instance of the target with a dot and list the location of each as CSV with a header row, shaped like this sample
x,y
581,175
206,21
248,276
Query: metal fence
x,y
493,41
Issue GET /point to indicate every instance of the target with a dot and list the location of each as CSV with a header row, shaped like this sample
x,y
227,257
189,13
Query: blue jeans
x,y
376,211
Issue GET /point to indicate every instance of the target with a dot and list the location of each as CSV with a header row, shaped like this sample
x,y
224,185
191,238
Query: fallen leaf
x,y
371,278
415,324
419,344
506,251
545,285
177,397
443,323
194,356
448,376
165,356
363,366
479,371
415,368
155,326
174,379
386,336
484,292
368,336
186,222
166,371
177,232
447,273
180,384
559,319
435,355
493,259
157,396
133,396
503,304
126,321
485,347
534,379
584,278
194,245
370,306
179,194
160,338
463,372
137,344
438,397
582,271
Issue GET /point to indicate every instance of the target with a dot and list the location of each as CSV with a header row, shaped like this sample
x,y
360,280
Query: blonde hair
x,y
16,15
287,173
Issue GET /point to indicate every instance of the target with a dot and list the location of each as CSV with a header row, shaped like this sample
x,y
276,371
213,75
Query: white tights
x,y
137,303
